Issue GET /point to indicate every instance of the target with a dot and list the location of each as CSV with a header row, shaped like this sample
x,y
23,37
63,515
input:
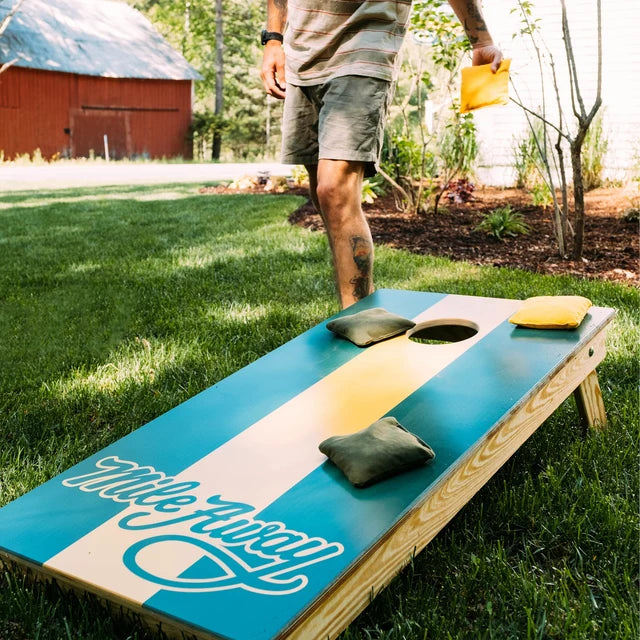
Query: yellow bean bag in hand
x,y
481,87
551,312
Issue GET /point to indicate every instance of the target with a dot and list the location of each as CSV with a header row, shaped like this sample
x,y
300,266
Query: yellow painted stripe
x,y
268,458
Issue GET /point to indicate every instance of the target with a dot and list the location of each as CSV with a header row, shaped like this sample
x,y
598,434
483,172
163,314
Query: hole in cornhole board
x,y
443,331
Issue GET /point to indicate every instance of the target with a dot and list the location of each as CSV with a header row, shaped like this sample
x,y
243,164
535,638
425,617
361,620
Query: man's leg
x,y
312,170
335,188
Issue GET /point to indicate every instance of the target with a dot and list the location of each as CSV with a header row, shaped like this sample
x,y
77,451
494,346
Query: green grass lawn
x,y
117,304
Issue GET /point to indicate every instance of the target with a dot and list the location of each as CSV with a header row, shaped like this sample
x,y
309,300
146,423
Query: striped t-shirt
x,y
329,38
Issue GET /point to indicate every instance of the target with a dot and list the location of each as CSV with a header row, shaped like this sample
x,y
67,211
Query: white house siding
x,y
499,126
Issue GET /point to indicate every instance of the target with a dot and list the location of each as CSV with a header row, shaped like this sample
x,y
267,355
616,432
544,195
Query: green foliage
x,y
368,194
526,156
502,222
594,150
423,157
204,126
632,213
378,184
529,25
432,23
403,156
541,195
372,188
458,144
299,175
190,26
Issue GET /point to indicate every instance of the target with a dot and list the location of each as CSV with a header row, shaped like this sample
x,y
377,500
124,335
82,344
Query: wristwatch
x,y
270,35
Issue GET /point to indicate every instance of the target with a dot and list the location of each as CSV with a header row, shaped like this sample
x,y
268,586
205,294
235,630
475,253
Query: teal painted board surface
x,y
224,505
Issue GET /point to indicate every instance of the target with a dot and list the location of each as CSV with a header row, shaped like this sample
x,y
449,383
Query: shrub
x,y
526,157
368,193
460,191
541,195
503,222
458,145
299,176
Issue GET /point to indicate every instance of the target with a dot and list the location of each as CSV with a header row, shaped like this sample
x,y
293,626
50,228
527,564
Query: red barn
x,y
82,69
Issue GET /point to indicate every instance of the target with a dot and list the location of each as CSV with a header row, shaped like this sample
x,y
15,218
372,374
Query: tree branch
x,y
598,100
7,19
573,72
599,91
558,228
394,184
537,115
6,65
531,28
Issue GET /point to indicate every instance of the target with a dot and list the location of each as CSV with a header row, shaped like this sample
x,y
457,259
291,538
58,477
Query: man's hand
x,y
487,54
272,72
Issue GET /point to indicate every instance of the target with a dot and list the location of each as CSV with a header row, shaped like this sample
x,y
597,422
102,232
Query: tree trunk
x,y
578,194
186,27
565,190
219,106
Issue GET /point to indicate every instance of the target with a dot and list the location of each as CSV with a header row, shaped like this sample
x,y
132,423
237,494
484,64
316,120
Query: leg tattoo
x,y
362,257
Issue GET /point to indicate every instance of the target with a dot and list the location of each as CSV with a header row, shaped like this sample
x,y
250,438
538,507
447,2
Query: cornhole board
x,y
221,518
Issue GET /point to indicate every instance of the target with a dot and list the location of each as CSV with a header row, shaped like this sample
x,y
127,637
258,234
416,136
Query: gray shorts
x,y
342,119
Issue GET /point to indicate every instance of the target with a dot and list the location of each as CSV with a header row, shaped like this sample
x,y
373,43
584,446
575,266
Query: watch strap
x,y
270,35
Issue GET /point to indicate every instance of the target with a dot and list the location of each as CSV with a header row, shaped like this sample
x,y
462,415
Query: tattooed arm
x,y
469,13
272,71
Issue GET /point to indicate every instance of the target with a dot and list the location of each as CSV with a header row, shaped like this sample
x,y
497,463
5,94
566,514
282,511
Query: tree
x,y
584,120
220,40
219,105
553,154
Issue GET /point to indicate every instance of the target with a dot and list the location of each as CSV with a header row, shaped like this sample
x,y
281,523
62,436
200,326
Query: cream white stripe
x,y
268,458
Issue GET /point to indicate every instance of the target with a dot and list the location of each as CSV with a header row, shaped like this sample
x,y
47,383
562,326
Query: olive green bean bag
x,y
380,451
369,326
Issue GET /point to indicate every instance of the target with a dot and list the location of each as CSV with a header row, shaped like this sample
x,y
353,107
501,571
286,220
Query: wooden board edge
x,y
153,621
341,604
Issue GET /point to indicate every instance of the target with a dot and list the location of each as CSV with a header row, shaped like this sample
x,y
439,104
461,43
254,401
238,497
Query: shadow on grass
x,y
215,274
99,191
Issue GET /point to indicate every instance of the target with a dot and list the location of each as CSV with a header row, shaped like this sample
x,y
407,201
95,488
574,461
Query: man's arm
x,y
273,59
469,13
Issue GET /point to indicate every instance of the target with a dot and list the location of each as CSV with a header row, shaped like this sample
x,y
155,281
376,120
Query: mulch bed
x,y
611,249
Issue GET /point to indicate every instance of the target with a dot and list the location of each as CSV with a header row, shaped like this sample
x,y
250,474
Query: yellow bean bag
x,y
551,312
482,88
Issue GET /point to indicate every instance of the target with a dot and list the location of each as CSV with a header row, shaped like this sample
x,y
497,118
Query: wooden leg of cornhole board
x,y
590,404
347,598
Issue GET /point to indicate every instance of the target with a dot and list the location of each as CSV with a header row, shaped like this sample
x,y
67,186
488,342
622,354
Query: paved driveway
x,y
62,175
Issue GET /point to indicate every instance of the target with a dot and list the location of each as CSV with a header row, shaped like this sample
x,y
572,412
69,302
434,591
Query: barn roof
x,y
89,37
